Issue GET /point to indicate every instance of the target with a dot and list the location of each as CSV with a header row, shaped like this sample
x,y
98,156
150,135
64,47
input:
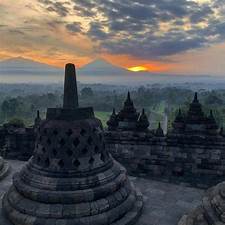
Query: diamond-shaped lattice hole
x,y
90,140
47,162
69,132
62,142
96,149
84,151
61,163
76,163
69,152
49,141
45,131
102,157
38,159
55,132
76,142
91,160
83,132
54,152
43,149
40,138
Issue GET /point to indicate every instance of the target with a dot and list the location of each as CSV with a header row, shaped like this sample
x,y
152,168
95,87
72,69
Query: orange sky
x,y
29,30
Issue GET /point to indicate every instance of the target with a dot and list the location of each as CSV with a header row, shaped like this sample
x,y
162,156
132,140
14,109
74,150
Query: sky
x,y
164,36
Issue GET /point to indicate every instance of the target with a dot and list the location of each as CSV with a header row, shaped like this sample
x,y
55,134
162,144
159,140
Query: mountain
x,y
19,65
98,71
102,67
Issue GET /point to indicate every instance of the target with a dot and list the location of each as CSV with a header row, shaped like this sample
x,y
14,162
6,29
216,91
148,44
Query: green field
x,y
103,116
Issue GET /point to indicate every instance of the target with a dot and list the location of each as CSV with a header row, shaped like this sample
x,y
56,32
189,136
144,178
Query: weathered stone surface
x,y
164,203
16,142
192,152
70,100
211,211
128,119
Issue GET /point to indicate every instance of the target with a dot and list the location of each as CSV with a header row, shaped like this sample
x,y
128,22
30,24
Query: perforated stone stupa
x,y
71,179
211,211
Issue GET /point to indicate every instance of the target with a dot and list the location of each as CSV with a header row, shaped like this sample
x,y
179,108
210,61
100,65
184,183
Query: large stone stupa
x,y
71,179
211,211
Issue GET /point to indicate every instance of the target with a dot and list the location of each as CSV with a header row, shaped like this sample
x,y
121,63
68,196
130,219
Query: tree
x,y
10,107
16,122
87,92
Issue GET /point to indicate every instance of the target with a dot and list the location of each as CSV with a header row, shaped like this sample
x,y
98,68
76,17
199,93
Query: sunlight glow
x,y
137,68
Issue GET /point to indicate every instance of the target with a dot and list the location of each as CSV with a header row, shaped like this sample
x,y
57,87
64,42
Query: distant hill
x,y
97,71
19,65
102,67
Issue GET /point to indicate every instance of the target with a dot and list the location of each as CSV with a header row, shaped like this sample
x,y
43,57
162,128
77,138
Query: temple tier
x,y
71,178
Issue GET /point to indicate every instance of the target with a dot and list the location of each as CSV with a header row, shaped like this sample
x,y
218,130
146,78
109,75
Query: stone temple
x,y
191,152
71,179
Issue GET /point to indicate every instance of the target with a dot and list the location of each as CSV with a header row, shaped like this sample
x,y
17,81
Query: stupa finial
x,y
70,100
128,96
196,97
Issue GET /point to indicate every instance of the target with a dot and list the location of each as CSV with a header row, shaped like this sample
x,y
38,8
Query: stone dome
x,y
71,178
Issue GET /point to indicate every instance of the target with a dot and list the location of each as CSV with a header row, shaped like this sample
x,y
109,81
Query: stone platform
x,y
165,203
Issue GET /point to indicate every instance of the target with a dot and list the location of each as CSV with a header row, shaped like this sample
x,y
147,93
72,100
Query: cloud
x,y
55,6
152,29
147,29
74,27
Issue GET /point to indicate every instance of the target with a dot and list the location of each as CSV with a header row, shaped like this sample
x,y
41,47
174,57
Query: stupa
x,y
37,120
128,116
159,131
143,122
211,211
179,123
71,179
113,121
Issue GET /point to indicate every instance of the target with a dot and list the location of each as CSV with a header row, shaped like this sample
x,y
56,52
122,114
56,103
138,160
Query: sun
x,y
137,69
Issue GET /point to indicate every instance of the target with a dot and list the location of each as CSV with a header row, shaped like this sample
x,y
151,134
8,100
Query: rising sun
x,y
138,68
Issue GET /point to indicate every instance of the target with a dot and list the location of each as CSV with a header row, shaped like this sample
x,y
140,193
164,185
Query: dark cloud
x,y
96,31
151,29
201,14
55,6
74,27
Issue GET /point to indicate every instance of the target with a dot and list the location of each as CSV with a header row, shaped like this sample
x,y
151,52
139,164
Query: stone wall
x,y
17,143
191,159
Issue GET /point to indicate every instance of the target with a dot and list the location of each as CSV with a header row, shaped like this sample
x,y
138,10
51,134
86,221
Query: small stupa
x,y
71,179
159,131
37,120
143,122
113,121
128,116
